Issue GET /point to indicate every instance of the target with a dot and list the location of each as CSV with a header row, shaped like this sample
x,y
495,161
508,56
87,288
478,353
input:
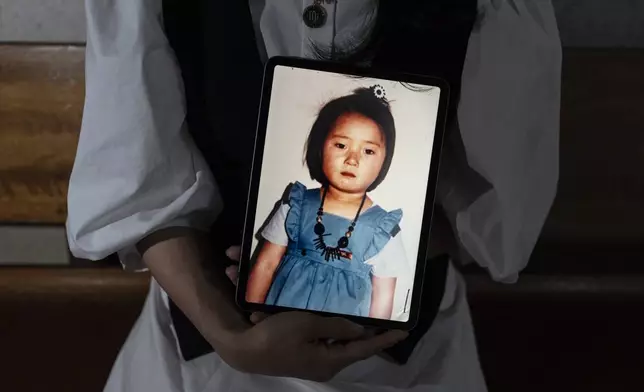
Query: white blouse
x,y
137,170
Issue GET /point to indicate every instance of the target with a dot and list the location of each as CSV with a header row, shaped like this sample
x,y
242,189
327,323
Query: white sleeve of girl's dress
x,y
509,122
275,229
136,169
391,261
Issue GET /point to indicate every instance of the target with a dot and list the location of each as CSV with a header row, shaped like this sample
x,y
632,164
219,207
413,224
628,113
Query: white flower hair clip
x,y
379,92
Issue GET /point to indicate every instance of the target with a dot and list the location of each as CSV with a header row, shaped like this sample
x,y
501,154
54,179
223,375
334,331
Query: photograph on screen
x,y
342,191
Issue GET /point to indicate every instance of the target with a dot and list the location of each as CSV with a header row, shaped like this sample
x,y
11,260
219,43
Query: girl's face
x,y
353,153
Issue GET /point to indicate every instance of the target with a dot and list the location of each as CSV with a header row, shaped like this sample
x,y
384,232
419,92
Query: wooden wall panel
x,y
41,100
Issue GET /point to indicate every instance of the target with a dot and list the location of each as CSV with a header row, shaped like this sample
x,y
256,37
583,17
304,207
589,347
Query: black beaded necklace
x,y
333,252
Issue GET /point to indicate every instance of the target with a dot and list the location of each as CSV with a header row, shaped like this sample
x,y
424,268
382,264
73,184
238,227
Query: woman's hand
x,y
289,344
300,344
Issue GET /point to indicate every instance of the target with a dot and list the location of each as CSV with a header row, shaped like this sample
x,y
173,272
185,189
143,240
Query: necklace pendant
x,y
332,253
319,228
315,16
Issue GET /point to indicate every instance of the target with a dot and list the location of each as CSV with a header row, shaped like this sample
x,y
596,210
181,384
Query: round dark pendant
x,y
319,228
314,16
343,242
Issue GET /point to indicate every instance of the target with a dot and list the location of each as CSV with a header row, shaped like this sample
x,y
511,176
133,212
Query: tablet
x,y
342,192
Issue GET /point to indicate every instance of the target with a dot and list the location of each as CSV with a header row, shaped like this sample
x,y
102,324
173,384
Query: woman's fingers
x,y
232,271
234,253
233,274
258,317
358,350
348,342
334,328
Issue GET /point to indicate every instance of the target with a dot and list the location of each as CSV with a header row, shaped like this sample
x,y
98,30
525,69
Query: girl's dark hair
x,y
363,102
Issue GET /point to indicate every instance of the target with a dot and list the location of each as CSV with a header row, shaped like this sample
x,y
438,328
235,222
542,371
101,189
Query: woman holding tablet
x,y
171,86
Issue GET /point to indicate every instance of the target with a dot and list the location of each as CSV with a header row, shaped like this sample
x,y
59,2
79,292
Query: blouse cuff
x,y
131,257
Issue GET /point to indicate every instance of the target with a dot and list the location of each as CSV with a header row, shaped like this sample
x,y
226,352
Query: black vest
x,y
216,49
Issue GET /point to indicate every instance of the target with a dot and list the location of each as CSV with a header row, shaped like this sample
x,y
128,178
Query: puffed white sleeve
x,y
509,125
137,169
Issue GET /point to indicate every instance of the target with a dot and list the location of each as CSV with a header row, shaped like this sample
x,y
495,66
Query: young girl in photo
x,y
332,248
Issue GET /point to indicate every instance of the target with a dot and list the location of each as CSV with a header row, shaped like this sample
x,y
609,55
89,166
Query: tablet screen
x,y
342,193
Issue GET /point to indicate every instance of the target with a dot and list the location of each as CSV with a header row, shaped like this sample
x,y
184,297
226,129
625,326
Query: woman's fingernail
x,y
233,252
395,339
399,336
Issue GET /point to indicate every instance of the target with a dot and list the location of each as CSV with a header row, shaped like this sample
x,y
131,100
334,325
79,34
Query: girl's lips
x,y
347,174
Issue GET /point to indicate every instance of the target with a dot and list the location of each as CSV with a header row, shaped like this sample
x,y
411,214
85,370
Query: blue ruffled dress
x,y
306,280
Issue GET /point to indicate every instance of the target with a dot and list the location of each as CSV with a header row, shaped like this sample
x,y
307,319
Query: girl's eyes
x,y
342,146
